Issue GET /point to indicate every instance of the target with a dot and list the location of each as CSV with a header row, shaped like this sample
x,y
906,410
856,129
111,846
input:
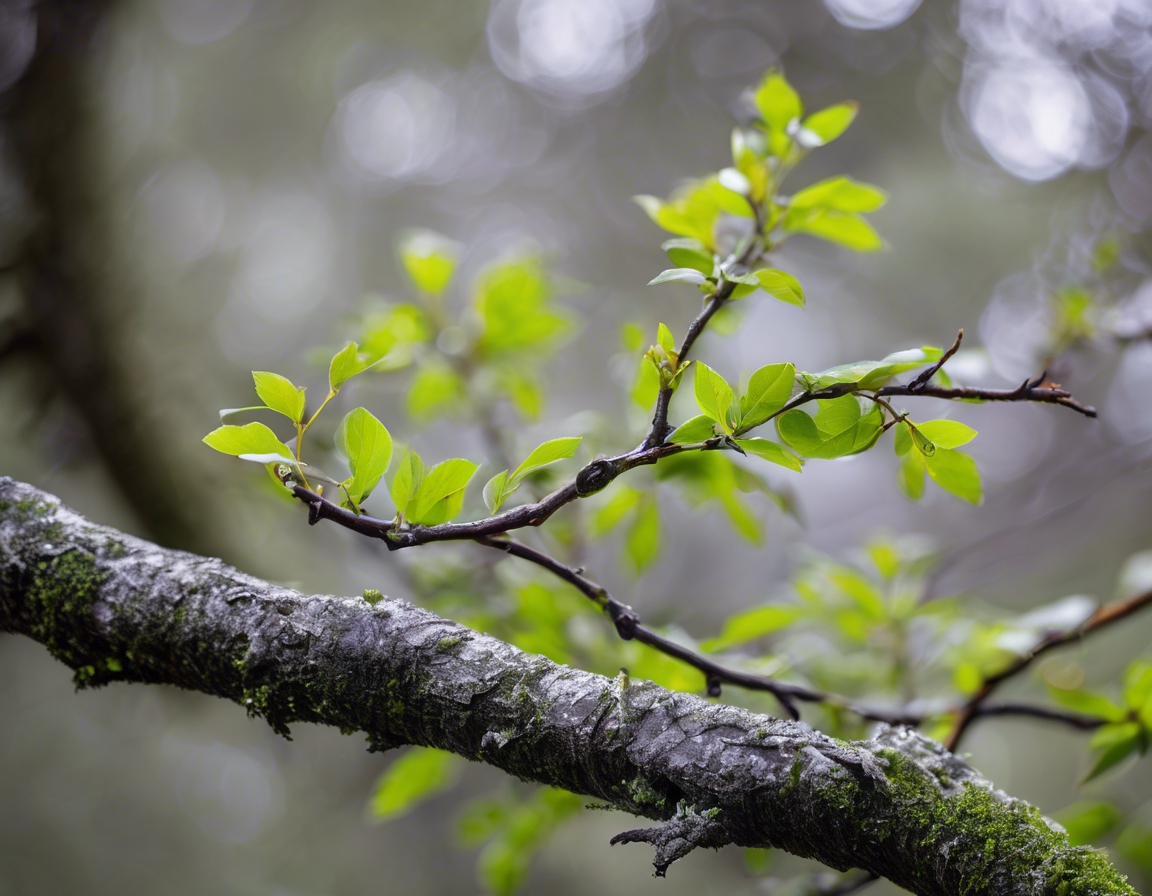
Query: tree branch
x,y
116,608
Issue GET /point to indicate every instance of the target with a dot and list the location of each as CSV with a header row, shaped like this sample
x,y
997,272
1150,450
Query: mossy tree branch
x,y
115,608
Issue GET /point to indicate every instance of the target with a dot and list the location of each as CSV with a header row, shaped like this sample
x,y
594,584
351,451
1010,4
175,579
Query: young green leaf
x,y
826,125
770,451
406,480
698,429
547,453
781,285
713,395
946,433
420,773
902,443
1117,742
769,389
251,438
623,501
435,389
429,259
686,252
957,473
750,625
777,102
923,444
665,339
367,445
1089,703
496,491
679,275
911,477
846,228
642,542
841,194
874,374
279,394
345,364
441,494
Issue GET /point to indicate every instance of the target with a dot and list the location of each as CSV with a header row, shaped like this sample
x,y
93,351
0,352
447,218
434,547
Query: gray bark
x,y
116,608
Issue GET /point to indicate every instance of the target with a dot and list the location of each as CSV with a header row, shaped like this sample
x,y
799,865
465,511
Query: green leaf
x,y
611,514
251,438
441,493
777,101
406,480
416,776
923,444
547,453
911,477
646,386
679,275
874,374
698,429
1138,684
903,440
946,433
713,395
642,542
435,388
429,259
957,473
632,336
769,389
367,445
846,228
1088,822
345,364
665,339
496,491
770,451
279,394
1089,703
781,285
838,429
826,125
750,625
686,252
1117,743
841,194
513,300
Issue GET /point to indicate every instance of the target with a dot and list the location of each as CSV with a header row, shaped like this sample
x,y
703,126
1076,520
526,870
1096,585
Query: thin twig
x,y
1104,616
922,380
1029,390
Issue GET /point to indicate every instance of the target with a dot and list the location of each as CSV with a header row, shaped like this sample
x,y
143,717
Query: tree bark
x,y
116,608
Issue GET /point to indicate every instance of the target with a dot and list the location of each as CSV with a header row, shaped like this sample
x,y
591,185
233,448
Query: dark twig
x,y
1104,616
926,375
629,628
1029,390
1047,713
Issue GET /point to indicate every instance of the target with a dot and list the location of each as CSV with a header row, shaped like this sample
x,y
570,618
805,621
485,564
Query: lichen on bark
x,y
116,608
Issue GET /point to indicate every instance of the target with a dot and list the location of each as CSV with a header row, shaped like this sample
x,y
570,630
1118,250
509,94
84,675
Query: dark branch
x,y
1105,616
115,608
1030,390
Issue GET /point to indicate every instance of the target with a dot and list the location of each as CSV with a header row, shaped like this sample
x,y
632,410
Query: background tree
x,y
1070,324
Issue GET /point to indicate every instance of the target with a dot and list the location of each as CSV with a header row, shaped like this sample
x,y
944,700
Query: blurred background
x,y
193,189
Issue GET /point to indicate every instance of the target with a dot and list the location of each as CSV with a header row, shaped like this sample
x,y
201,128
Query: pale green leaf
x,y
769,389
686,252
441,493
698,429
946,433
750,625
679,275
826,125
367,445
279,394
495,491
345,364
1090,703
547,453
429,259
781,285
713,395
840,194
846,228
957,473
420,773
777,102
251,438
770,451
406,480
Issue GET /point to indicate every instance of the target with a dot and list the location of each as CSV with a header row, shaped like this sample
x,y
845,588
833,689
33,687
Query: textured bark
x,y
115,608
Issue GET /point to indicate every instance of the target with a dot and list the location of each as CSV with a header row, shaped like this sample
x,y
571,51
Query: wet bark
x,y
116,608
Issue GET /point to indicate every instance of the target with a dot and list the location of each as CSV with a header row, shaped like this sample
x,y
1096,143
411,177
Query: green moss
x,y
373,596
61,595
445,645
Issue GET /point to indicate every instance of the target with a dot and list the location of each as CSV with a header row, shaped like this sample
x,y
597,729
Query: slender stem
x,y
1105,616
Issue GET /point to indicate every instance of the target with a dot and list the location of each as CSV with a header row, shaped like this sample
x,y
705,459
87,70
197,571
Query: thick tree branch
x,y
116,608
